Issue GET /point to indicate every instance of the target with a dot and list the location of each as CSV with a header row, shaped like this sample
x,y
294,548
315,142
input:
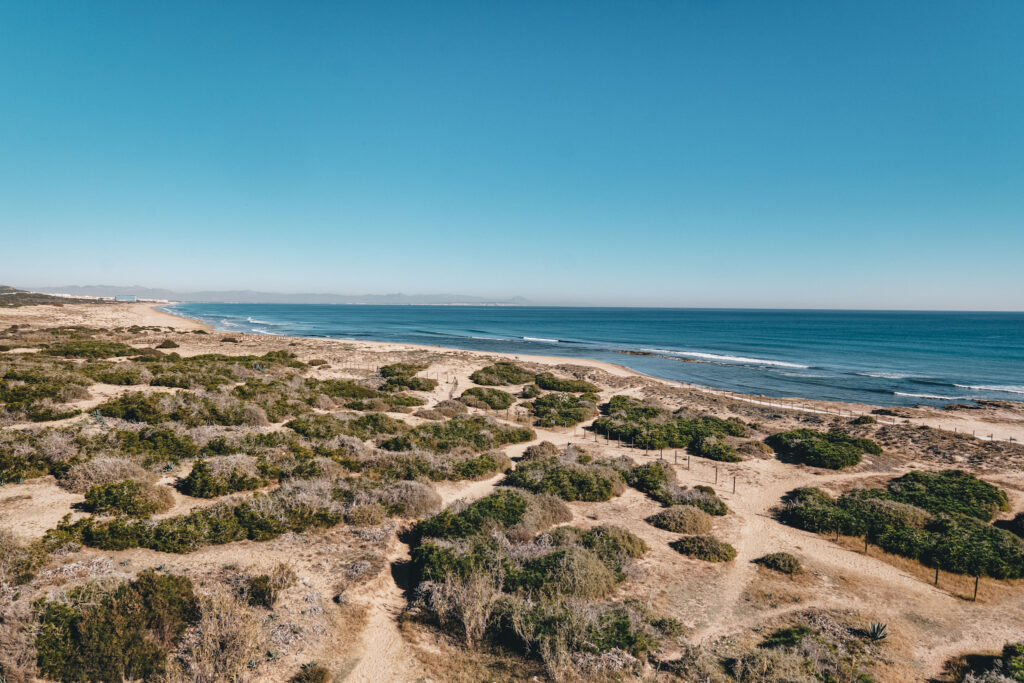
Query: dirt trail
x,y
385,655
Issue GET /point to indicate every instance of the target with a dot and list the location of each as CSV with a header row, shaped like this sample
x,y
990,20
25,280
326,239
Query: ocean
x,y
879,357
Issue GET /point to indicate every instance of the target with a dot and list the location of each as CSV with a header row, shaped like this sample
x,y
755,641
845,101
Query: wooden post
x,y
975,598
687,461
716,475
734,483
676,461
865,544
936,575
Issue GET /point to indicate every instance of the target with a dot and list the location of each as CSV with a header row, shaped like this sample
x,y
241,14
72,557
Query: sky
x,y
794,154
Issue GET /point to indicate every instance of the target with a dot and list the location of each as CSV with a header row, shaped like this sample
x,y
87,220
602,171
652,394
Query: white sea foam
x,y
1002,388
935,396
728,359
887,375
540,339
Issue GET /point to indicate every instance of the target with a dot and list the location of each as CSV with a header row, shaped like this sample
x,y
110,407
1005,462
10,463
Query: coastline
x,y
990,423
941,420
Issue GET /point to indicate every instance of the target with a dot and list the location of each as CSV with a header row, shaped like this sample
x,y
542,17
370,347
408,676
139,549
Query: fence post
x,y
734,483
716,475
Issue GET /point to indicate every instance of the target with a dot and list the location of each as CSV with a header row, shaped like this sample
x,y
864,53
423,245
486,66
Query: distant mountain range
x,y
251,297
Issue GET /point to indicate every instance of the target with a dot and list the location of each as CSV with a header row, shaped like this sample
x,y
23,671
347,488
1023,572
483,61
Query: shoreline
x,y
798,404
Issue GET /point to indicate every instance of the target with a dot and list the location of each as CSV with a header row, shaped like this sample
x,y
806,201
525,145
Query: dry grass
x,y
221,645
682,519
102,470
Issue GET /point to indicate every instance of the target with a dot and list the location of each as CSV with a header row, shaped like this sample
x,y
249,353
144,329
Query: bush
x,y
1013,660
230,474
83,476
1016,525
682,519
549,382
702,498
542,450
479,397
864,420
124,635
561,410
129,497
501,373
706,548
477,433
89,348
410,499
403,375
784,563
714,449
949,492
566,480
262,590
787,637
502,509
167,344
831,450
644,425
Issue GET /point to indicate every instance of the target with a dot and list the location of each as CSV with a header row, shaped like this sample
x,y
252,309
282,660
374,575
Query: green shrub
x,y
1013,660
129,497
167,344
948,492
120,374
403,375
136,407
566,480
501,373
89,348
784,563
714,449
702,498
480,397
201,483
650,478
502,509
157,444
1016,525
561,410
124,635
549,382
647,426
706,548
363,427
682,519
530,391
475,432
832,450
864,420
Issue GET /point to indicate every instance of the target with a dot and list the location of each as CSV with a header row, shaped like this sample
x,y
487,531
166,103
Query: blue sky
x,y
794,154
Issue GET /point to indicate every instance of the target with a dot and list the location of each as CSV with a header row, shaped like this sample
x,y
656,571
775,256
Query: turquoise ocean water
x,y
889,358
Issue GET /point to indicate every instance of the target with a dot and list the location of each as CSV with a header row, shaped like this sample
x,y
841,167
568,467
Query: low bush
x,y
83,476
129,497
954,538
540,451
481,397
410,499
648,426
530,391
501,373
227,474
477,433
90,348
702,498
262,590
566,479
501,510
560,410
784,563
403,376
123,635
831,450
167,344
786,637
1013,660
549,382
682,519
1016,525
706,548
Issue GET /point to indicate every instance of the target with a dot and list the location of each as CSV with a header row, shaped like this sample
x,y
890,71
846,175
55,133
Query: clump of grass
x,y
703,547
83,476
311,672
831,450
502,373
784,563
682,519
167,344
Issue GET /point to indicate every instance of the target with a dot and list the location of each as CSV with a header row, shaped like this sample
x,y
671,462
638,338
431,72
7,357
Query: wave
x,y
540,339
934,396
729,359
887,375
257,321
1001,388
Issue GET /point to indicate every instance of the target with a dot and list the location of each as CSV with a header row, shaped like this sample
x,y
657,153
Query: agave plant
x,y
877,631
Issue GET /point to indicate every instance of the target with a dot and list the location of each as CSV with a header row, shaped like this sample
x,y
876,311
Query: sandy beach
x,y
714,602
